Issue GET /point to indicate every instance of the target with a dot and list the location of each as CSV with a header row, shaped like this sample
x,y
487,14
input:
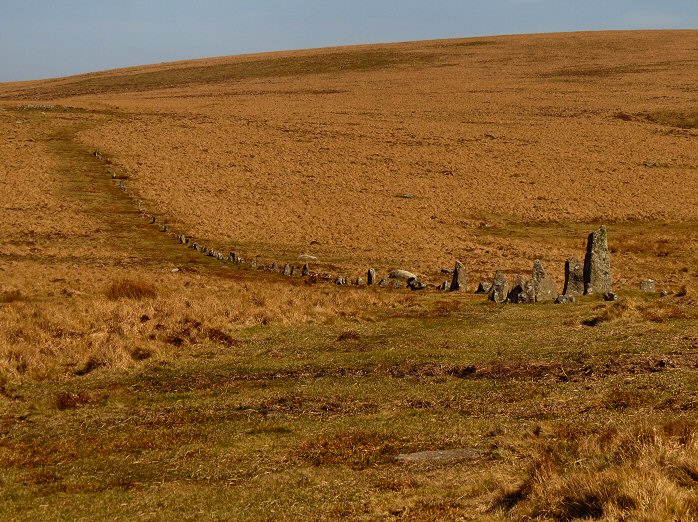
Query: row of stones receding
x,y
591,277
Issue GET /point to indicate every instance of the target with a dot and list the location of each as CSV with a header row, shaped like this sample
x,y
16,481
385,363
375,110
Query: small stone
x,y
340,281
574,277
649,286
597,263
359,281
233,257
664,293
565,299
402,275
275,267
305,272
253,264
371,276
287,270
182,239
415,284
153,220
484,287
543,286
195,246
460,278
610,296
500,288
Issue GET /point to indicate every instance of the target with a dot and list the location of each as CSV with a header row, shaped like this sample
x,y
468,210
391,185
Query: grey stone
x,y
307,257
371,276
287,269
403,275
253,264
195,246
275,267
610,296
574,277
460,278
233,257
153,220
182,239
340,281
305,272
383,283
444,286
293,271
544,288
416,284
448,271
521,291
163,228
565,299
484,287
221,256
649,286
664,293
359,281
500,288
597,263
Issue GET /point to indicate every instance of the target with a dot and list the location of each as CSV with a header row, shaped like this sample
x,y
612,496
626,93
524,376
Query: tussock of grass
x,y
645,473
10,296
355,448
128,289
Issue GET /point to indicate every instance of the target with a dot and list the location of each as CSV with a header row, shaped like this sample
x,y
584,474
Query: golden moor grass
x,y
128,289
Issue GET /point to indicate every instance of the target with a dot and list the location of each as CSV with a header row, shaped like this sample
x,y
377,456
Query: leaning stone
x,y
610,296
484,287
500,288
649,286
460,278
402,274
574,277
371,276
305,272
565,299
543,285
287,269
597,263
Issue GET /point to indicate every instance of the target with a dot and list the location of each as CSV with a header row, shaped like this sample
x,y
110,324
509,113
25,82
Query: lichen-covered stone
x,y
460,278
574,277
500,288
543,286
597,263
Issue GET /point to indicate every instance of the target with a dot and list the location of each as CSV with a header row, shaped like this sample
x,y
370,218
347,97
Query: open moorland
x,y
142,379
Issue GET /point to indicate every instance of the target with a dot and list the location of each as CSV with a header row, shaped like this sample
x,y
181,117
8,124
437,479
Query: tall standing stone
x,y
597,263
544,288
460,278
371,276
500,288
574,277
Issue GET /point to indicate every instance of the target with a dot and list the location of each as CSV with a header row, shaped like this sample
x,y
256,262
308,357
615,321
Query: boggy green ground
x,y
308,422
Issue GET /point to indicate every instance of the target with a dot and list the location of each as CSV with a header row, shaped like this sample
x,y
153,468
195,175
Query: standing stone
x,y
340,281
521,291
500,288
275,267
253,264
233,257
287,269
359,281
305,272
574,277
543,285
460,278
648,285
182,239
484,287
597,263
371,276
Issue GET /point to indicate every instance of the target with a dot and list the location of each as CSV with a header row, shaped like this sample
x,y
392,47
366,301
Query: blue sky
x,y
47,38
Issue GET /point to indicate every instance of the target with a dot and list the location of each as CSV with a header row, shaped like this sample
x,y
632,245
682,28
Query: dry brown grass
x,y
646,473
128,289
